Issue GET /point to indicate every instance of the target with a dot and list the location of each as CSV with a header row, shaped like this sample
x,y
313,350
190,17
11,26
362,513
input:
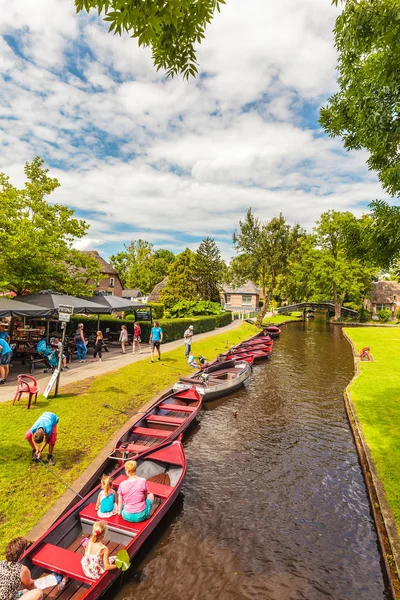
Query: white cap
x,y
190,326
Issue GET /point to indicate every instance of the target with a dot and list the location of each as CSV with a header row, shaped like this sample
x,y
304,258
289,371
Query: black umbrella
x,y
14,308
114,303
51,300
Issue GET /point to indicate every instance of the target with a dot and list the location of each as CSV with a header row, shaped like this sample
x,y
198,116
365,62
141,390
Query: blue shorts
x,y
6,358
140,516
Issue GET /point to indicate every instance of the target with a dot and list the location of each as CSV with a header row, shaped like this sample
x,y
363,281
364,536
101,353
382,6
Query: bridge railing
x,y
345,312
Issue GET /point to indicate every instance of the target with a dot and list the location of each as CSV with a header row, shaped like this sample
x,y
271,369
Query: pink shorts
x,y
51,440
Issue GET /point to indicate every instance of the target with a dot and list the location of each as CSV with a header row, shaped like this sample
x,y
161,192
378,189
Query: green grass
x,y
276,319
376,396
28,490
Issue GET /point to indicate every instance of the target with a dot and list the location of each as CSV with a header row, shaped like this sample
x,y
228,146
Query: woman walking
x,y
80,343
98,347
123,337
137,332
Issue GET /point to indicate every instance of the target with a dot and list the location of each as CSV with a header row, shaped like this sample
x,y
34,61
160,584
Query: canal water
x,y
274,505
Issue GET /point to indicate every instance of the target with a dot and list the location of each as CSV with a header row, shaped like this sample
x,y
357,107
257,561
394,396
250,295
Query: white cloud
x,y
163,159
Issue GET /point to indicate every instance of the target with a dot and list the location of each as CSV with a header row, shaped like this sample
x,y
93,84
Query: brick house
x,y
110,281
384,294
242,299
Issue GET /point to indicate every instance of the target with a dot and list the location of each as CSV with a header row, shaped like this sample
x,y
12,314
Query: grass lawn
x,y
276,319
376,396
28,490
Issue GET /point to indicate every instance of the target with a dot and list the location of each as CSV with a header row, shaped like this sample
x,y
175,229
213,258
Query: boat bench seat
x,y
158,489
60,560
115,523
177,408
133,447
165,420
190,380
147,431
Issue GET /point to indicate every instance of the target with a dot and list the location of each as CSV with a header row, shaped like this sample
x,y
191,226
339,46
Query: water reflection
x,y
274,505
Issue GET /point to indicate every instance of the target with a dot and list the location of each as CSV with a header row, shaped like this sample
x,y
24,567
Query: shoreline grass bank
x,y
28,490
278,319
376,397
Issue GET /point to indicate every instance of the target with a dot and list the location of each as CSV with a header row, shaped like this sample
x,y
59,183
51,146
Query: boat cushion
x,y
115,523
177,408
164,419
147,431
60,560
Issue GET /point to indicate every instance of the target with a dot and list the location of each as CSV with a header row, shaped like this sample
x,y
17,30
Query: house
x,y
154,295
241,299
384,294
133,294
110,281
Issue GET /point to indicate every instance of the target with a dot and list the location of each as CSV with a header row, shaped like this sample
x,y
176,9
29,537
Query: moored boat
x,y
258,353
168,418
272,330
219,379
60,549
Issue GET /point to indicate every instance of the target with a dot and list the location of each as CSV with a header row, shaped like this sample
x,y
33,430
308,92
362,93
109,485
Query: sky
x,y
171,161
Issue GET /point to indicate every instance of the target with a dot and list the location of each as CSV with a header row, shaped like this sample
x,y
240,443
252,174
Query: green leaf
x,y
122,560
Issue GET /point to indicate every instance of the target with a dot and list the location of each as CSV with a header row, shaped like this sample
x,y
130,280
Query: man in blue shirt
x,y
156,337
43,431
5,359
4,332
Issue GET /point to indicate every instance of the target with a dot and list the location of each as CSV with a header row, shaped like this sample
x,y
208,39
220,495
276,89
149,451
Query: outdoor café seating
x,y
26,385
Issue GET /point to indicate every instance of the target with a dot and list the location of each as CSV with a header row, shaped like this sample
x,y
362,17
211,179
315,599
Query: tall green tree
x,y
171,28
208,269
339,269
139,266
181,283
37,238
365,110
264,249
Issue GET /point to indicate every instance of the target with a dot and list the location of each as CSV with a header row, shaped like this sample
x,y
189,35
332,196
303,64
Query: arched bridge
x,y
329,306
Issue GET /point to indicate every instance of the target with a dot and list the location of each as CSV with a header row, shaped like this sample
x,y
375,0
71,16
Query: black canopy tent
x,y
114,303
14,308
52,300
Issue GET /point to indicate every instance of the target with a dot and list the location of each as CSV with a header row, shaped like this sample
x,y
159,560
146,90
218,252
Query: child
x,y
43,431
192,362
98,345
95,560
106,505
123,337
137,332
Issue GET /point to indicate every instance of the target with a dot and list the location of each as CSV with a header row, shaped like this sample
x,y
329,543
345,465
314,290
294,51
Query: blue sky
x,y
174,161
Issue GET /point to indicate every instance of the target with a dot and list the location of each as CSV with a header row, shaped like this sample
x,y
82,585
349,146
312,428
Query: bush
x,y
384,315
352,305
157,309
364,315
398,314
193,308
224,319
130,318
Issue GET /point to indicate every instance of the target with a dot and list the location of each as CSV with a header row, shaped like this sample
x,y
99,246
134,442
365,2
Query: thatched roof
x,y
247,288
385,292
105,267
155,293
132,293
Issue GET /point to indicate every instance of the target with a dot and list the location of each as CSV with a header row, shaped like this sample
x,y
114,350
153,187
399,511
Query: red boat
x,y
257,353
265,339
170,416
60,549
255,344
271,330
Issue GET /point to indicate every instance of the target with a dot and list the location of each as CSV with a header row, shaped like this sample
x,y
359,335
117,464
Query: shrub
x,y
224,319
193,308
398,314
157,309
352,305
364,315
130,318
384,315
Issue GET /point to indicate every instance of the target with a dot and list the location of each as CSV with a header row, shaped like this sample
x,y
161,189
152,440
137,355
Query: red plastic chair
x,y
26,387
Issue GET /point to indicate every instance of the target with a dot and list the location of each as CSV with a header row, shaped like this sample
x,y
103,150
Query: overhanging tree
x,y
264,249
365,111
171,28
37,238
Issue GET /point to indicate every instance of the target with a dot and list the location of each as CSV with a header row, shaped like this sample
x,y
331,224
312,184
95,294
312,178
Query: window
x,y
112,281
383,306
247,300
228,298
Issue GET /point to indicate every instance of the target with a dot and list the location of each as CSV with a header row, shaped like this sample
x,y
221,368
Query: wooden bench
x,y
163,419
133,447
147,431
177,408
115,523
158,489
60,560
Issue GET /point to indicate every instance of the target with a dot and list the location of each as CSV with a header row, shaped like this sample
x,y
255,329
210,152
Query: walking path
x,y
111,362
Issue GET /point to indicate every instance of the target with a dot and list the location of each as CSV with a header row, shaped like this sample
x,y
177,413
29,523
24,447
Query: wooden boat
x,y
249,358
217,380
264,339
271,330
60,549
258,353
168,418
255,345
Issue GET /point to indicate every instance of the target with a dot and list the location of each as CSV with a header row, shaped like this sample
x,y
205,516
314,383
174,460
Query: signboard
x,y
51,383
64,312
143,313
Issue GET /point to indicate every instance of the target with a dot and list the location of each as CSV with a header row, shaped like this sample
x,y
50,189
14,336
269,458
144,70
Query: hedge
x,y
173,329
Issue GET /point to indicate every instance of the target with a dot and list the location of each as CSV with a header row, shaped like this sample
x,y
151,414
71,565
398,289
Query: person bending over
x,y
14,575
134,500
43,432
